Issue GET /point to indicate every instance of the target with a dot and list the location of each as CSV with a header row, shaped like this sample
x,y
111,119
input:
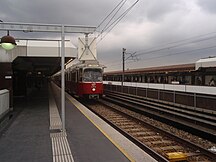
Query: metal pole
x,y
86,43
63,78
123,66
195,101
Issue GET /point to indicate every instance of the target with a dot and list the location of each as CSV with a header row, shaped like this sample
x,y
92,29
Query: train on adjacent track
x,y
202,73
84,79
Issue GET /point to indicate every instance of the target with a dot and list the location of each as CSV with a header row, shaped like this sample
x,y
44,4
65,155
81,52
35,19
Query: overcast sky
x,y
148,31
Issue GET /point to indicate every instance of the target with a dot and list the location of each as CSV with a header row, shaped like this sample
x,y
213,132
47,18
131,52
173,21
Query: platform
x,y
30,137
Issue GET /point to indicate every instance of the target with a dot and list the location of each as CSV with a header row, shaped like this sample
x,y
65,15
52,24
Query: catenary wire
x,y
114,23
110,14
171,54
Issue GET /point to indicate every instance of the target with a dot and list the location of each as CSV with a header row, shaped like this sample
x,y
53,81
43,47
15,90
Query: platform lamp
x,y
8,42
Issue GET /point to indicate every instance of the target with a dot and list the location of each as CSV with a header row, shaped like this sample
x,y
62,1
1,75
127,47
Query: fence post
x,y
146,92
174,96
195,100
136,90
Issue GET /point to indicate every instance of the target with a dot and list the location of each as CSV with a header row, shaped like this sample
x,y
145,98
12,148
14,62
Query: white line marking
x,y
60,147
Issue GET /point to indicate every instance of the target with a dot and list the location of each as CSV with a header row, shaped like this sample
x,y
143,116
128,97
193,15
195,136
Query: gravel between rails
x,y
190,137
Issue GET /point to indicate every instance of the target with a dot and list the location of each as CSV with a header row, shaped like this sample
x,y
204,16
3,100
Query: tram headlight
x,y
93,89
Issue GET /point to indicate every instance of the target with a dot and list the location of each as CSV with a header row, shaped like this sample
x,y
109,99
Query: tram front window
x,y
92,75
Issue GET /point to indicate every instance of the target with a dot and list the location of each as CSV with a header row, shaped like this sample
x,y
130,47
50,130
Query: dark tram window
x,y
92,75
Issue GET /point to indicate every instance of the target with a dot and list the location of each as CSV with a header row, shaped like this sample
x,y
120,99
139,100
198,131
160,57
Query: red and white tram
x,y
83,79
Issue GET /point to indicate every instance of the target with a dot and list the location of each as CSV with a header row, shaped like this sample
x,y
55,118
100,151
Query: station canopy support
x,y
54,28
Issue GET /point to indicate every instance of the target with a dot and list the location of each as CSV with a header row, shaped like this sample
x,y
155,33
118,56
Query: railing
x,y
4,102
173,87
195,96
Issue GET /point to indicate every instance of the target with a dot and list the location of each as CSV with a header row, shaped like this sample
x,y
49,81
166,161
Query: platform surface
x,y
28,137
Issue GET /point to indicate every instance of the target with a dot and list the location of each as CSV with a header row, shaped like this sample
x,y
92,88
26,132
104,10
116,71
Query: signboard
x,y
87,49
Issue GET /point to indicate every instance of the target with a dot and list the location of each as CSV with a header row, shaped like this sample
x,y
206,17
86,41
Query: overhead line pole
x,y
123,66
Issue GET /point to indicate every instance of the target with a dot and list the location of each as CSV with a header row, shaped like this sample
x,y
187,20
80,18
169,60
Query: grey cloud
x,y
155,10
208,5
65,11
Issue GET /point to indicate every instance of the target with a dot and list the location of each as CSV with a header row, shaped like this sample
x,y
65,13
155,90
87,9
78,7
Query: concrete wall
x,y
4,102
6,79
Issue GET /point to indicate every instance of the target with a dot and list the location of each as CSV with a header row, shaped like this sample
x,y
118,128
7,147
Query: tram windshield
x,y
92,75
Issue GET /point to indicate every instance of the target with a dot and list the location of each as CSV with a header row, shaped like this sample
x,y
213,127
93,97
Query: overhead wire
x,y
110,14
116,21
177,45
107,25
174,46
182,52
170,54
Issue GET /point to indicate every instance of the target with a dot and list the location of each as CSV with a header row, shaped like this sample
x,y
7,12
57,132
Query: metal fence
x,y
196,100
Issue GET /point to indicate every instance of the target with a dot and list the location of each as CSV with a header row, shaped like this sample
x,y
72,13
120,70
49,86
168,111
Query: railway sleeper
x,y
142,134
160,143
122,120
120,123
151,138
135,130
127,126
171,148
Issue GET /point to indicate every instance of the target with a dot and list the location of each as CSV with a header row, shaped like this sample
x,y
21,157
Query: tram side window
x,y
66,77
73,76
76,74
80,74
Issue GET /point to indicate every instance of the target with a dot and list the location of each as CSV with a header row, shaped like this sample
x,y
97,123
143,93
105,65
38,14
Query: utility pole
x,y
123,66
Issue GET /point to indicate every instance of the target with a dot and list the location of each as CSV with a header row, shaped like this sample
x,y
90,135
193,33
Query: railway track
x,y
196,120
160,144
